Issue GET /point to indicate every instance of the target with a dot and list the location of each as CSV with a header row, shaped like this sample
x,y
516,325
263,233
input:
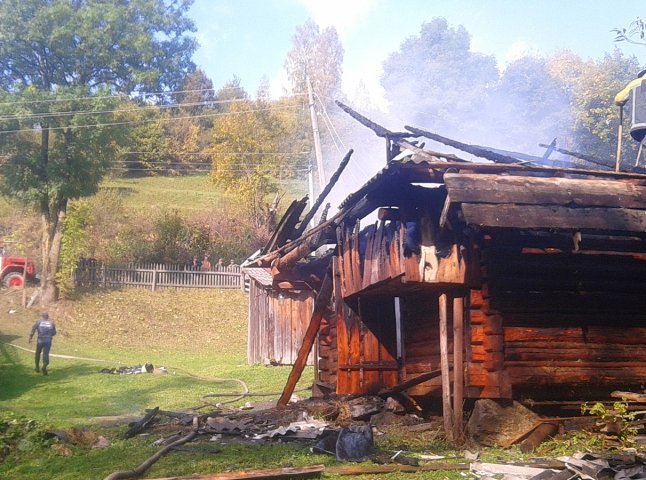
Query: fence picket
x,y
155,276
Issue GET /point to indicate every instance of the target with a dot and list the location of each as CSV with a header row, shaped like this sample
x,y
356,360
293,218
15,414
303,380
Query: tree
x,y
73,49
436,81
318,55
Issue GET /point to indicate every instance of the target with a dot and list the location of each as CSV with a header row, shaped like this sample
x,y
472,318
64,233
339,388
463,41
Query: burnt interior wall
x,y
571,321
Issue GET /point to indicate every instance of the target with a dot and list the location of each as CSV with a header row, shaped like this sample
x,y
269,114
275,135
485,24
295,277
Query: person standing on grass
x,y
46,330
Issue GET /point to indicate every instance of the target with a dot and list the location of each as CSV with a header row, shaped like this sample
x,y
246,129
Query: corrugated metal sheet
x,y
261,275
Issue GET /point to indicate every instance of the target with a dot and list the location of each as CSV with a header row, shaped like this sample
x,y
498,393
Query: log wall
x,y
570,321
277,324
420,319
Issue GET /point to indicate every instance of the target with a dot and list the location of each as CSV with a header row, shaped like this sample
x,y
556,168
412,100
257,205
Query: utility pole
x,y
310,181
315,133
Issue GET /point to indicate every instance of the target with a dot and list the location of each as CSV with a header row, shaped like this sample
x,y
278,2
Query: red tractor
x,y
12,269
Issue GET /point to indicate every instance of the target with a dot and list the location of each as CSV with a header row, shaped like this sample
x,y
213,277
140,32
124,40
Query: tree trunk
x,y
52,214
52,237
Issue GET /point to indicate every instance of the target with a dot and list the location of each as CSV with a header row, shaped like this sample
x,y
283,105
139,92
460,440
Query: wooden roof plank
x,y
536,216
490,188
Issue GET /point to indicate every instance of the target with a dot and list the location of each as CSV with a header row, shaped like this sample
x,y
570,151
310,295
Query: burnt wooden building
x,y
499,277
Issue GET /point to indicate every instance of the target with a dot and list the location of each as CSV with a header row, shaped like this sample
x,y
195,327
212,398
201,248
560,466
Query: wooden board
x,y
468,188
531,216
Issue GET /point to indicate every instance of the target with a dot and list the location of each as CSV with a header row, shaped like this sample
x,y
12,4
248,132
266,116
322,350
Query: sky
x,y
250,38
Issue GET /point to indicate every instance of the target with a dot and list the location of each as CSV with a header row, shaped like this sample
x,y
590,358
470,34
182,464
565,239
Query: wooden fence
x,y
91,273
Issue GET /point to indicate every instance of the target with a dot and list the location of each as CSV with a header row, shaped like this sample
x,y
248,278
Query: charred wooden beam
x,y
403,386
536,216
302,250
582,156
472,149
375,127
465,187
285,228
322,300
324,193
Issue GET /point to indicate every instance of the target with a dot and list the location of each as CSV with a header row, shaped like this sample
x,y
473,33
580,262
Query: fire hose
x,y
236,396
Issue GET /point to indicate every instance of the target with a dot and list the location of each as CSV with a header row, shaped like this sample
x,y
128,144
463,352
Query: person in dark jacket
x,y
46,330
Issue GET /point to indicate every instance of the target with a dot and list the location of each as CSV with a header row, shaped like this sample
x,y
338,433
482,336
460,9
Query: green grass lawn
x,y
200,336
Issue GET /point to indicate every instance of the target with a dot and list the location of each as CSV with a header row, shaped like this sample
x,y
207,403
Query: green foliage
x,y
619,416
126,45
53,56
19,436
75,244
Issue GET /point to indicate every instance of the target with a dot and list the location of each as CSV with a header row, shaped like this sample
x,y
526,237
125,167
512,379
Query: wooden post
x,y
619,134
447,413
320,304
103,273
458,368
242,281
154,277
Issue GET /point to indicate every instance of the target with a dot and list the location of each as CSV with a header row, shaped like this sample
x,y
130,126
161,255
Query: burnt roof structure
x,y
511,277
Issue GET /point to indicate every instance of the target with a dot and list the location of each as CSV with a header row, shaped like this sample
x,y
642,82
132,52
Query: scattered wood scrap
x,y
139,426
266,473
139,471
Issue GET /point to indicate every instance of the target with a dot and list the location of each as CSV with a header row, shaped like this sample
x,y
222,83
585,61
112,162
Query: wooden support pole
x,y
619,135
458,368
320,304
447,413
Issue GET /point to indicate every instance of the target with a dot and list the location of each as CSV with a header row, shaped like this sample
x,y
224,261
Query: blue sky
x,y
250,38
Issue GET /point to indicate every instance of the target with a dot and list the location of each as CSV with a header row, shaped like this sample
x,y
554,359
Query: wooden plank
x,y
410,383
447,412
467,188
342,340
458,368
355,355
592,335
322,300
532,216
265,473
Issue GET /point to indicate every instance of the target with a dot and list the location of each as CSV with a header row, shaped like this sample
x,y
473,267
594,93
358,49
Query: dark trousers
x,y
43,347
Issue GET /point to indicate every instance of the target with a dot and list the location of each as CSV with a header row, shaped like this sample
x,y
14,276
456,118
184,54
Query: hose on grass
x,y
236,396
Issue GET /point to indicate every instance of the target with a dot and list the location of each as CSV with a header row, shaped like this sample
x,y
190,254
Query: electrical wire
x,y
113,124
126,110
123,96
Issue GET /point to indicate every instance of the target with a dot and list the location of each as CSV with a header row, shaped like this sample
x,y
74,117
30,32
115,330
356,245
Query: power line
x,y
113,124
122,95
291,154
126,110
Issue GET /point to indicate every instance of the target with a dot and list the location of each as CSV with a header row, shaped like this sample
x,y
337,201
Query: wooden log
x,y
592,335
458,369
631,396
447,412
541,433
384,469
465,187
472,149
322,300
537,216
265,473
403,386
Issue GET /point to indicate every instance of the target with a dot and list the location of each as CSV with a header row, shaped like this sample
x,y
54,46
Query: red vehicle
x,y
12,268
